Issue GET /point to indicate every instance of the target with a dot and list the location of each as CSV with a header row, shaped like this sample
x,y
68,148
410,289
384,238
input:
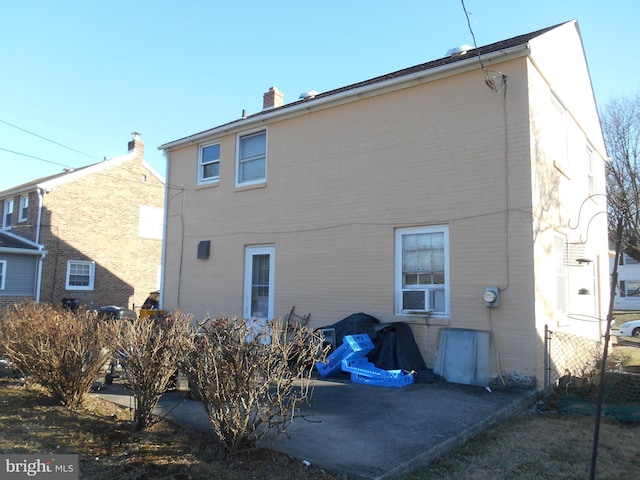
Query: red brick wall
x,y
8,301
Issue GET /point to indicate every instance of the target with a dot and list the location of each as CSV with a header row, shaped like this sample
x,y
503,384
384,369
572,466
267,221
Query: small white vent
x,y
460,50
308,95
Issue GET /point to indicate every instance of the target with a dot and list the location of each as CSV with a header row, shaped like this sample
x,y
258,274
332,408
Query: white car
x,y
630,329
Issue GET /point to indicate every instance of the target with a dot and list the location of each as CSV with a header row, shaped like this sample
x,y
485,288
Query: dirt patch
x,y
100,434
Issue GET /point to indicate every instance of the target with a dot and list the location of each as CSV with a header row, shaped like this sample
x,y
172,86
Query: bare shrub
x,y
250,379
61,350
150,349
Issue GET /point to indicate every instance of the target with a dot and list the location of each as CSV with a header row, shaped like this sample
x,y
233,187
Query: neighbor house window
x,y
3,273
24,208
209,163
251,164
630,288
80,275
7,214
422,270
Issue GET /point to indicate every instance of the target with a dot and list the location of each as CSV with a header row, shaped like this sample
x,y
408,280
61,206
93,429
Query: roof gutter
x,y
23,251
353,94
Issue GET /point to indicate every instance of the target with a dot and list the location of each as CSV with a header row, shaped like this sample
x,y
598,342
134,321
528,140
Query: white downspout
x,y
40,247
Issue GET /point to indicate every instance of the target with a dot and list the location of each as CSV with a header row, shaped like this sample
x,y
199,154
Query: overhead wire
x,y
487,78
48,140
33,156
52,162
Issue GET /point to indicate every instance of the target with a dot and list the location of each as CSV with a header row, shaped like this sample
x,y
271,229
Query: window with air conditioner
x,y
422,271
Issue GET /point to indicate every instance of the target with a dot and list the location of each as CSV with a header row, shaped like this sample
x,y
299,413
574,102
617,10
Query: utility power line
x,y
33,156
48,140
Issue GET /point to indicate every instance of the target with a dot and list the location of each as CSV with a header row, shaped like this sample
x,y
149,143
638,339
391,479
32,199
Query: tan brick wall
x,y
341,179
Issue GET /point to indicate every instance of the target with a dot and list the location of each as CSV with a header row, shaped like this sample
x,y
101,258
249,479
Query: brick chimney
x,y
272,99
137,145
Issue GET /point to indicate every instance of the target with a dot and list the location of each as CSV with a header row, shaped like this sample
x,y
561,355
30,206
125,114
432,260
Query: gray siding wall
x,y
21,274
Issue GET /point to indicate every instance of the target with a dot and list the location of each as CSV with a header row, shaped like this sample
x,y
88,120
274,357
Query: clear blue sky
x,y
86,74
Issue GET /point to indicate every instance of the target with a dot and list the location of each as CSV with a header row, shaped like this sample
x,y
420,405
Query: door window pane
x,y
260,286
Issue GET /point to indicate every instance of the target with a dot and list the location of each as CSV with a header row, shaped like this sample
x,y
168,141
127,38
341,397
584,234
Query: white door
x,y
259,279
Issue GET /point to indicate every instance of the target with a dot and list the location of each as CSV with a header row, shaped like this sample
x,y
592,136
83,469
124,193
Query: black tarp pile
x,y
394,345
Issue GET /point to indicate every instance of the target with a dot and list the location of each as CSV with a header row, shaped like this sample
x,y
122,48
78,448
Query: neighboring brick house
x,y
91,234
407,197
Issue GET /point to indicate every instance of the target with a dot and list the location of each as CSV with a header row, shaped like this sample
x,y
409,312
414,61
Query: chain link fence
x,y
572,378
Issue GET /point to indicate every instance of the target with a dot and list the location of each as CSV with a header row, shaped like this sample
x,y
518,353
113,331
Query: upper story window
x,y
7,214
80,275
558,131
561,277
3,273
251,165
422,270
209,163
24,208
591,178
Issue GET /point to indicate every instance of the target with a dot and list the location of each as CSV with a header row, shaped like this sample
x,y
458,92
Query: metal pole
x,y
546,363
603,368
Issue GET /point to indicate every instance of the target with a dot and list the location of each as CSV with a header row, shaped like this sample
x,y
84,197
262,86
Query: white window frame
x,y
250,253
240,181
561,275
560,135
91,274
23,213
443,288
591,178
3,273
7,214
203,164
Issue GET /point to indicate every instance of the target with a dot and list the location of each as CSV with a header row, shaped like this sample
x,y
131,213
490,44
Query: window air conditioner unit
x,y
416,301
